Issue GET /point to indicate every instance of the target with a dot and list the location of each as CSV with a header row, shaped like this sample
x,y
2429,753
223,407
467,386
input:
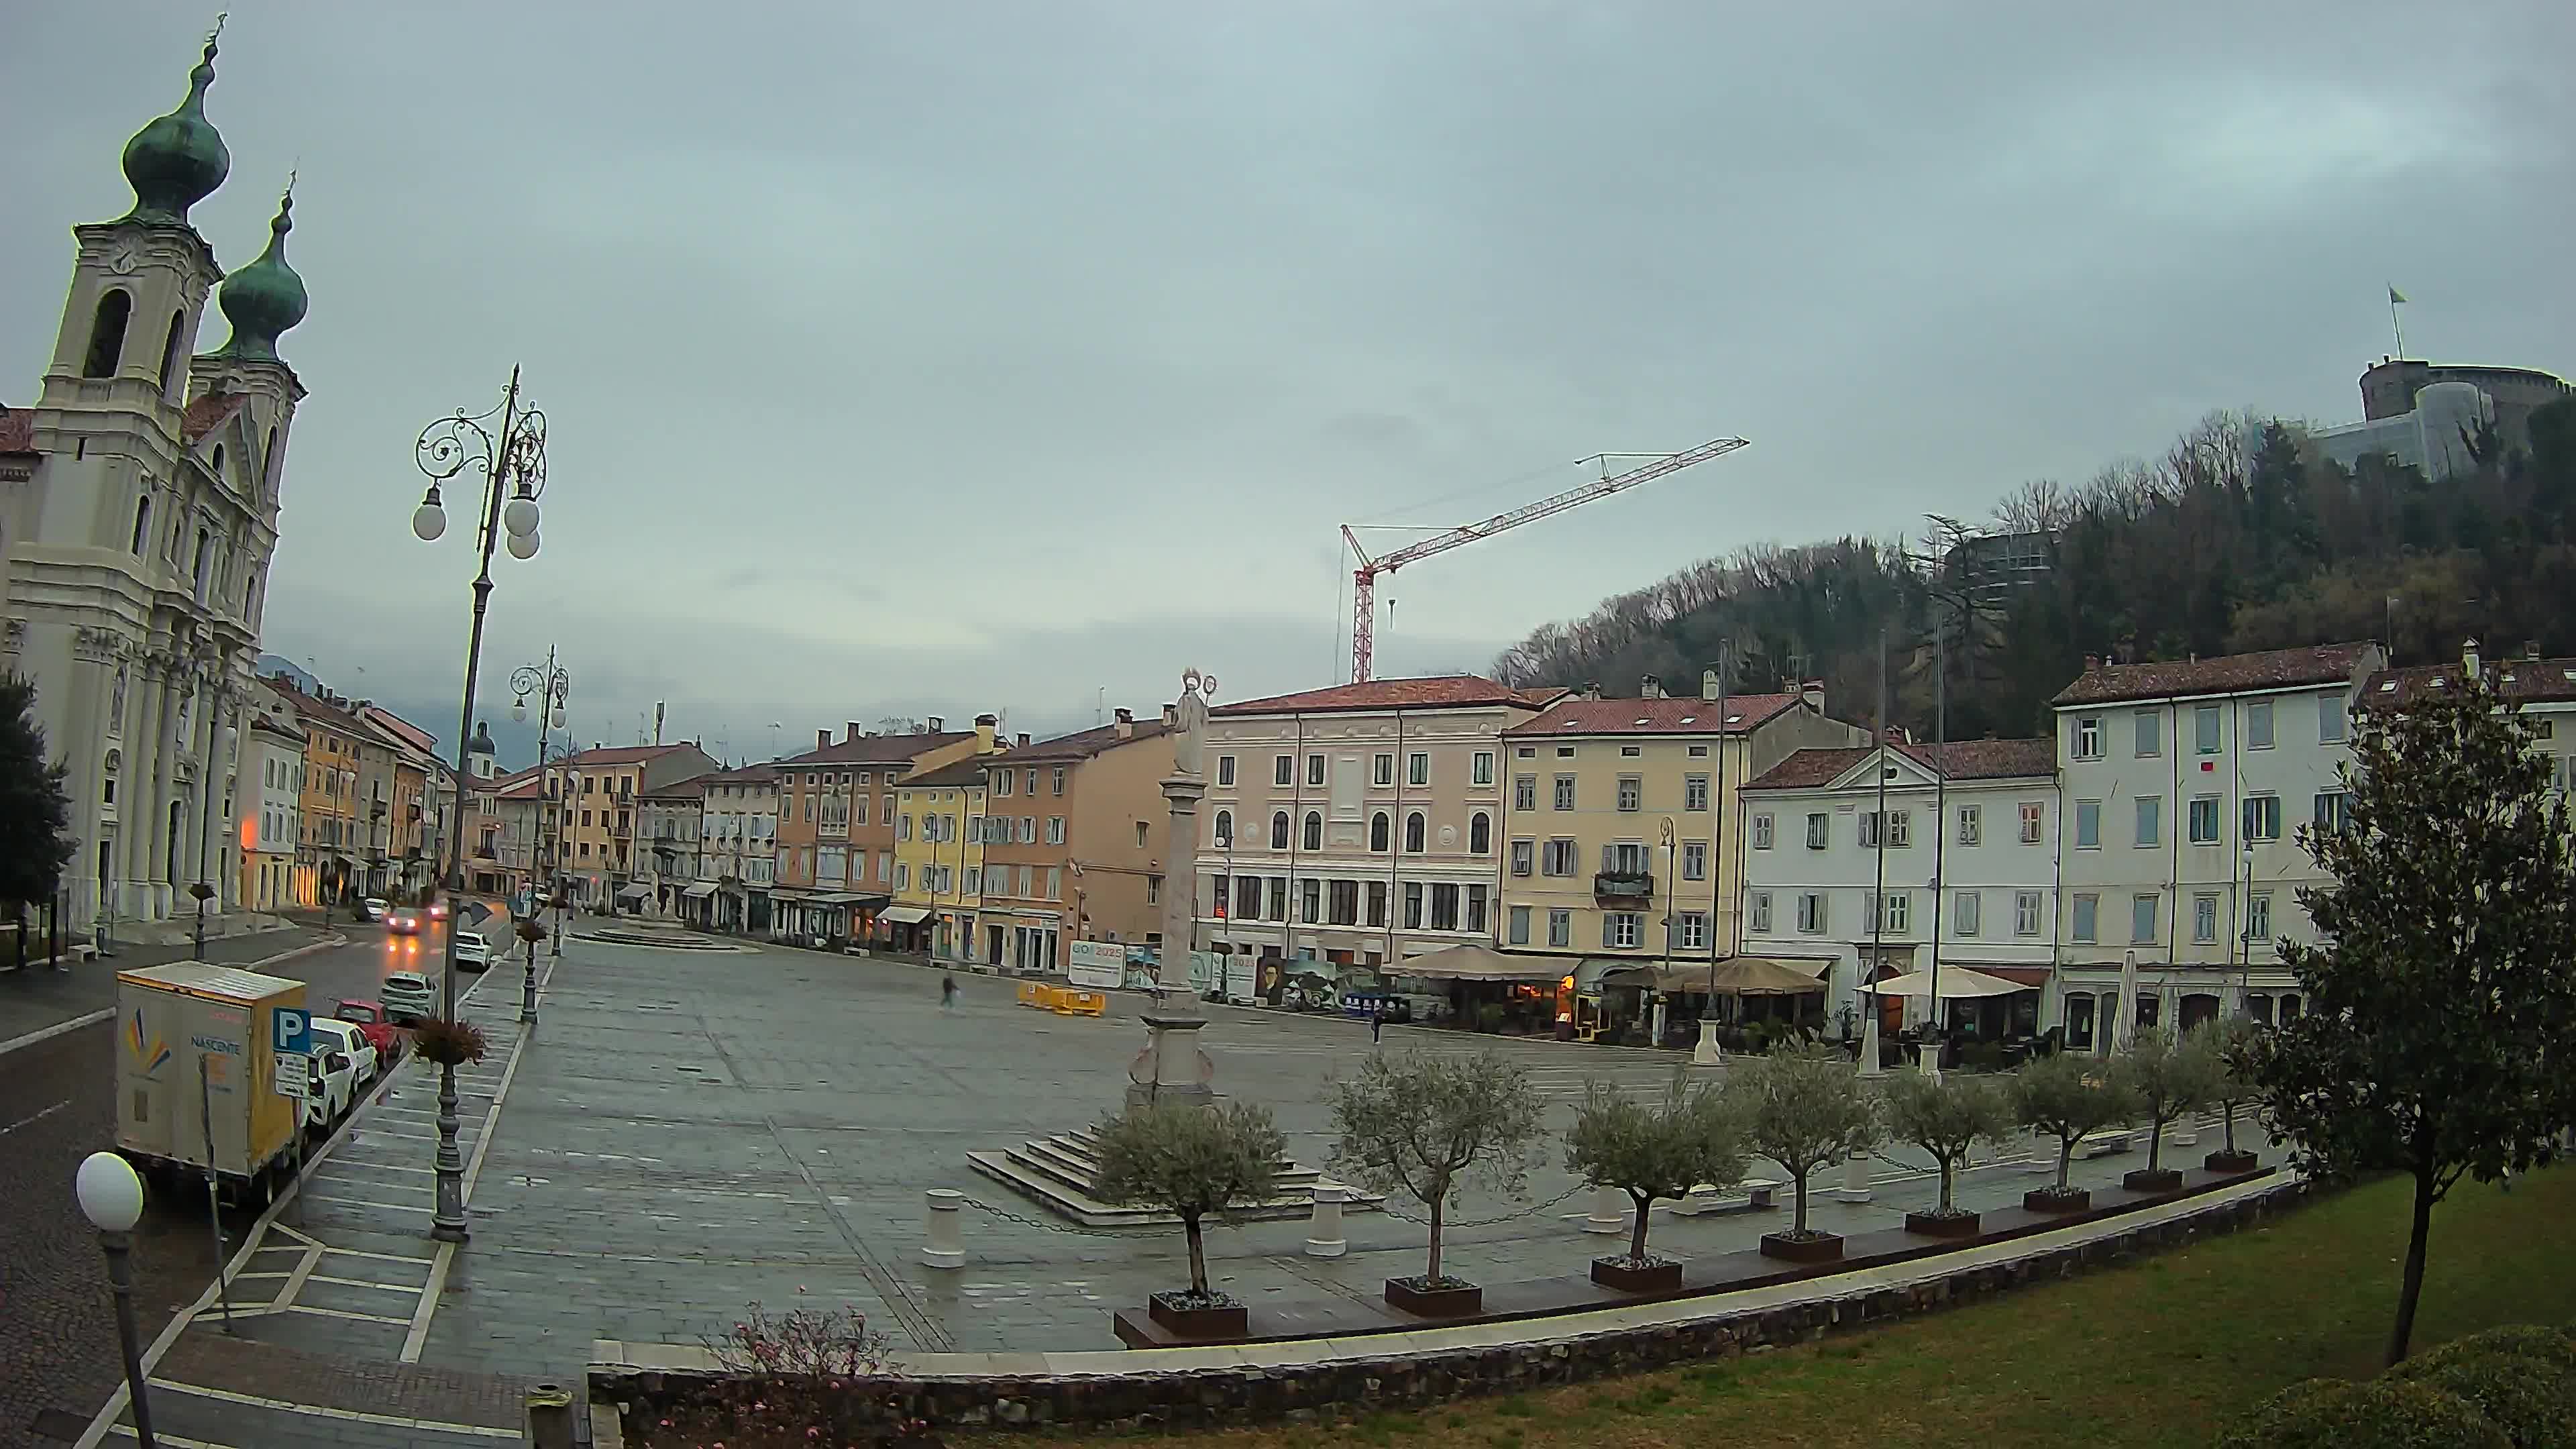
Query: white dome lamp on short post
x,y
111,1197
513,464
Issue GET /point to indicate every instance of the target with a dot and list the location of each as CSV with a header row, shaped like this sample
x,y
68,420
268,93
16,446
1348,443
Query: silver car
x,y
407,996
471,952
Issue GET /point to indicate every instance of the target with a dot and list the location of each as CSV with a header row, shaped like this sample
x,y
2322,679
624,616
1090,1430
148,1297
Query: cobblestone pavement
x,y
57,1105
694,1134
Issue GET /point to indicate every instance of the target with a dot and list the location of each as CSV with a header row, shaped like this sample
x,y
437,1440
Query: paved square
x,y
691,1133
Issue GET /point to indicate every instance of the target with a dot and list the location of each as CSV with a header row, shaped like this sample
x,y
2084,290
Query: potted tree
x,y
1946,1116
1191,1161
1803,1108
1426,1126
2064,1097
2166,1076
1650,1151
2233,1043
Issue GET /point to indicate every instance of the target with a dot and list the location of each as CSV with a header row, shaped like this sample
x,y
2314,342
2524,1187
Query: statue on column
x,y
1189,736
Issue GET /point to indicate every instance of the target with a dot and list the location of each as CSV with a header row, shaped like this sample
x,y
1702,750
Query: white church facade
x,y
138,511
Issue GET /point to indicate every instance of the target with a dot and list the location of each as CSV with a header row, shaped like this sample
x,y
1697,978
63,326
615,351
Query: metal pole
x,y
120,1283
214,1199
1717,829
1940,814
1878,894
448,1223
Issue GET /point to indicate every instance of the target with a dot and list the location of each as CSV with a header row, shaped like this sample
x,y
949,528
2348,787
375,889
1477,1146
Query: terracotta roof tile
x,y
876,749
208,413
2226,674
1691,716
622,754
1083,744
968,771
17,430
764,773
2523,680
692,788
1439,691
1965,760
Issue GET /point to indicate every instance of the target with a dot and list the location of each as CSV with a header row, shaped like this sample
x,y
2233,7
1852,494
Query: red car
x,y
369,1016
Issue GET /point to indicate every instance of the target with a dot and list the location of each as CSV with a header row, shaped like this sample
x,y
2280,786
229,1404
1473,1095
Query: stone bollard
x,y
1610,1208
2186,1132
1855,1186
549,1416
946,1245
1324,1238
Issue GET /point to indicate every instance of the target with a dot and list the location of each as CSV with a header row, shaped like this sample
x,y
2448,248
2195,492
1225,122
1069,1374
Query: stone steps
x,y
1061,1174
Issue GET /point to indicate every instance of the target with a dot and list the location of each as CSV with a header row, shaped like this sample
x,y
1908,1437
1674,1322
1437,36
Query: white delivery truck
x,y
201,1053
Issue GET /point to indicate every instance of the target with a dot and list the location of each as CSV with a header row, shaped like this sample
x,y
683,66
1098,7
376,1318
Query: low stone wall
x,y
1253,1392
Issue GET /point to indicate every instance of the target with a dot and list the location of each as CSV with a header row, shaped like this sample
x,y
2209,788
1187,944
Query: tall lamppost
x,y
513,465
111,1197
552,686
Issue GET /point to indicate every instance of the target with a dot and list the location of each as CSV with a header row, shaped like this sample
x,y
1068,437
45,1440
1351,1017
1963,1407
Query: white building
x,y
138,507
1962,870
737,851
272,810
2185,783
1356,825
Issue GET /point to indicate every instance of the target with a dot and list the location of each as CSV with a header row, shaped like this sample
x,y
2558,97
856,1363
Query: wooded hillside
x,y
2239,537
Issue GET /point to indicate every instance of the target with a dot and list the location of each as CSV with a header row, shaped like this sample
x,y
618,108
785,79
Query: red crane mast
x,y
1364,578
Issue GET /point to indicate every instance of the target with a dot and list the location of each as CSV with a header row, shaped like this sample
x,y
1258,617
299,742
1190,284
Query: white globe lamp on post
x,y
111,1197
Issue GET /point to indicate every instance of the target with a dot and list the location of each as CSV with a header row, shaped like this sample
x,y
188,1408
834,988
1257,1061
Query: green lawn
x,y
2152,1354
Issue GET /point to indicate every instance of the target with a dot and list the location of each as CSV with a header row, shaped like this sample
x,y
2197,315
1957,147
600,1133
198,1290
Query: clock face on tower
x,y
122,260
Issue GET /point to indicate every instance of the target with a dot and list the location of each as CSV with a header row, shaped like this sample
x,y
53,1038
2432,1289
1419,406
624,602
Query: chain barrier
x,y
1446,1224
1030,1222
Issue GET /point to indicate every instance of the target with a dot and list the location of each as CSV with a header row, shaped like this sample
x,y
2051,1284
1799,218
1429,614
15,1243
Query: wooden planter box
x,y
1229,1320
1935,1225
1825,1249
1655,1278
1435,1302
2152,1179
2050,1200
2231,1162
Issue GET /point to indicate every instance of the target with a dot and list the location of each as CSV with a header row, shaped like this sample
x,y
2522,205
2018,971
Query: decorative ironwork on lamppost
x,y
552,686
512,461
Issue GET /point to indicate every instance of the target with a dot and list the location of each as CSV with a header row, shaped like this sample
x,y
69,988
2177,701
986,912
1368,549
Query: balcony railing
x,y
1623,885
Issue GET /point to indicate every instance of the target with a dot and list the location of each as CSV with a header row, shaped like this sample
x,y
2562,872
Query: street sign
x,y
293,1077
290,1029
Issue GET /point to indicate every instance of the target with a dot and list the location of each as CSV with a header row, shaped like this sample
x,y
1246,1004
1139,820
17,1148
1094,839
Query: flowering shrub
x,y
798,1378
447,1043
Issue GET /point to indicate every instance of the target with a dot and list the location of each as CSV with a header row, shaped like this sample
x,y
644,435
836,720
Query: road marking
x,y
367,1203
337,1313
39,1117
325,1411
385,1167
379,1257
57,1029
173,1440
366,1283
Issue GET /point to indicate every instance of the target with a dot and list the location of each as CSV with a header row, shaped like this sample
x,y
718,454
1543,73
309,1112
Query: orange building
x,y
836,813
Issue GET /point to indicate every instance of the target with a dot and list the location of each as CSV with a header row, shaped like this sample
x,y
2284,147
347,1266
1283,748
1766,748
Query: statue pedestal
x,y
1172,1069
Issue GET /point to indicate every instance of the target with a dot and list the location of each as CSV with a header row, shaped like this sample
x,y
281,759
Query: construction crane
x,y
1364,578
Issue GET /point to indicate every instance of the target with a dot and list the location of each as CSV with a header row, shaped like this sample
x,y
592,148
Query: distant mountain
x,y
272,666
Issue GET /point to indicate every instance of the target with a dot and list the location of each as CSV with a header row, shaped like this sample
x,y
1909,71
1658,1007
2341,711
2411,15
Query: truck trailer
x,y
198,1067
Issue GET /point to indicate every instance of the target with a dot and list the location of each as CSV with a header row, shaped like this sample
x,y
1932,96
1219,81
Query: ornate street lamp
x,y
111,1197
513,464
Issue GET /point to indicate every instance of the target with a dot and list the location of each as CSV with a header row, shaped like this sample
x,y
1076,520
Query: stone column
x,y
138,806
1172,1066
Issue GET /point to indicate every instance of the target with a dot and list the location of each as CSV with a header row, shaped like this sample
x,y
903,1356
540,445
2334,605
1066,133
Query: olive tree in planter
x,y
1946,1116
2066,1097
2167,1076
1191,1161
2232,1044
1426,1126
1692,1139
1804,1108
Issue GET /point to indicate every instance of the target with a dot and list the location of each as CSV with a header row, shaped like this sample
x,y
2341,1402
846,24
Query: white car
x,y
375,907
472,954
407,997
331,1085
332,1034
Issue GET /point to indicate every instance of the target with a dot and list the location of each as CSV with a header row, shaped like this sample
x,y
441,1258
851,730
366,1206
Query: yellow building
x,y
1618,816
939,834
326,870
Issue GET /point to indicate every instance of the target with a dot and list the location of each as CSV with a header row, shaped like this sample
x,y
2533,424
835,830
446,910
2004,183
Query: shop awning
x,y
700,891
2032,978
1477,963
846,898
905,915
1958,983
635,893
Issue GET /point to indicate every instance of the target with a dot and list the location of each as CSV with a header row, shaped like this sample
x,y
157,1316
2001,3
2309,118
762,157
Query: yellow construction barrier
x,y
1069,1002
1031,994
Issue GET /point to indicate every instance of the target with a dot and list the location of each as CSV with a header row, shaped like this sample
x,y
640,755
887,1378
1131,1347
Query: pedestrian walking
x,y
947,993
1377,1025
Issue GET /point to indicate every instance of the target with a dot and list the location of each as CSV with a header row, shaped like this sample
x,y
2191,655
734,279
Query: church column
x,y
85,734
208,863
138,796
180,721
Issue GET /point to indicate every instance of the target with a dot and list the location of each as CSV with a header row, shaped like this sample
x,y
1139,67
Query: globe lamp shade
x,y
428,521
519,710
519,515
111,1196
523,545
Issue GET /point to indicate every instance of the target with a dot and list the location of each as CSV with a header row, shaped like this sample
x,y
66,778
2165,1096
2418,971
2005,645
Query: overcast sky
x,y
921,359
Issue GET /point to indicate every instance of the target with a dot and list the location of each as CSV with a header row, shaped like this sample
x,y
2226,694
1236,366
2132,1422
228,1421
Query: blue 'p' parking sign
x,y
290,1029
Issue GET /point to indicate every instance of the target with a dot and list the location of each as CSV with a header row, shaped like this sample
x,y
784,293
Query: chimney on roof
x,y
1171,714
1021,739
985,725
1650,688
1813,692
1592,689
2092,662
822,739
2469,659
850,731
1126,724
1708,685
2531,649
938,724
